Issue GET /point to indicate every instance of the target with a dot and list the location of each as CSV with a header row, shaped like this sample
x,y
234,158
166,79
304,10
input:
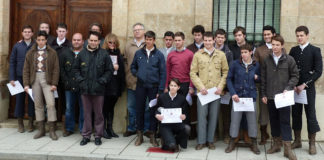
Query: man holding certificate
x,y
241,83
279,74
208,70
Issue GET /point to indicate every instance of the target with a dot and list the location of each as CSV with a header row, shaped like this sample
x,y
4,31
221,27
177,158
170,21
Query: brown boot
x,y
31,124
153,139
264,135
21,128
276,146
297,142
287,151
139,139
254,146
41,130
312,146
231,146
247,139
52,133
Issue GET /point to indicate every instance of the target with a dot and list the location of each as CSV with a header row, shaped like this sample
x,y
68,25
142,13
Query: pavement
x,y
22,146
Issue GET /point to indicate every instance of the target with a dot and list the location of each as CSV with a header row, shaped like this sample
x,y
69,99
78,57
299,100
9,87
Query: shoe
x,y
52,133
21,128
147,134
211,145
312,146
231,146
227,139
139,140
264,135
153,139
288,152
41,130
276,147
67,133
106,135
200,146
98,141
254,146
31,124
246,137
297,142
129,133
113,134
84,141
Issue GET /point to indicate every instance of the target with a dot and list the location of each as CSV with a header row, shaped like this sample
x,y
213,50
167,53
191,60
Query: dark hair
x,y
246,46
27,27
49,26
61,25
220,31
169,33
208,34
239,28
278,38
197,29
176,80
149,34
94,33
269,28
302,29
179,34
96,24
42,33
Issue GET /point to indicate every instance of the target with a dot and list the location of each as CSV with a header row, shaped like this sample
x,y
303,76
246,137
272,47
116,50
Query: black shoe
x,y
98,141
113,134
147,134
129,133
67,133
106,135
84,141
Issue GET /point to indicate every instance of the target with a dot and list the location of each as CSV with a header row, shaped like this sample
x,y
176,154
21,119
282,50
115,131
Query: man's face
x,y
44,27
93,41
41,41
168,40
276,46
209,42
302,38
77,41
267,36
179,42
138,32
27,33
61,33
220,39
95,28
198,37
149,42
246,54
239,37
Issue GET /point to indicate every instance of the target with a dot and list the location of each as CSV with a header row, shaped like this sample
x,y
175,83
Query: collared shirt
x,y
41,48
269,45
181,50
168,50
172,97
138,44
276,58
302,47
199,45
210,53
28,42
247,64
149,51
220,48
60,42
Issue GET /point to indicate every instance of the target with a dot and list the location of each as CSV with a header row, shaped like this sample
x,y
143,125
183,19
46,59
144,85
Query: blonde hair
x,y
110,37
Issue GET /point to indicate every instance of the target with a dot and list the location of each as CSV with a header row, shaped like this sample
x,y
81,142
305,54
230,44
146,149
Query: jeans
x,y
71,98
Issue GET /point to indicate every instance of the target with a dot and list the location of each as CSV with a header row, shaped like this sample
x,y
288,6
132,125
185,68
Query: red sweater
x,y
178,66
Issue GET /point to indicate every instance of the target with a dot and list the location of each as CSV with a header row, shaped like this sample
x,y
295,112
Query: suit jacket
x,y
164,52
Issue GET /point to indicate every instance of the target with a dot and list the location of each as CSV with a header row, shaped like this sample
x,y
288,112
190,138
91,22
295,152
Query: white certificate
x,y
225,99
301,97
114,61
211,96
55,94
284,99
189,99
171,115
153,103
15,89
244,105
30,92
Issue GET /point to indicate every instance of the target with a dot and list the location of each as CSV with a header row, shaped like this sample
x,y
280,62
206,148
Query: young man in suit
x,y
168,41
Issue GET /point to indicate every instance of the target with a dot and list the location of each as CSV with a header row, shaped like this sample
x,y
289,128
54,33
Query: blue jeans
x,y
131,107
71,98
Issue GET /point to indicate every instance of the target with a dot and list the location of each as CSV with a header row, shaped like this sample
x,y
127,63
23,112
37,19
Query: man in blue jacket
x,y
17,59
149,68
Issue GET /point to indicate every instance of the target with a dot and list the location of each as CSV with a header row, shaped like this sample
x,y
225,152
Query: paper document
x,y
55,94
244,105
189,99
225,99
284,99
15,89
171,115
301,97
153,103
30,92
114,61
211,96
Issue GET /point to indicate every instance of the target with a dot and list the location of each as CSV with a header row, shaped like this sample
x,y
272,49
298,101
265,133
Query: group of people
x,y
94,74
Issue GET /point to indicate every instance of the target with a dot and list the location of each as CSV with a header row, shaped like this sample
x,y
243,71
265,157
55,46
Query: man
x,y
16,65
44,26
96,27
71,87
168,42
208,69
279,74
259,55
149,68
220,38
42,71
198,32
310,66
93,70
131,47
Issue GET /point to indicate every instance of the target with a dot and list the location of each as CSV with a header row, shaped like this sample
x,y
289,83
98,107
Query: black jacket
x,y
60,48
67,59
309,63
93,70
117,82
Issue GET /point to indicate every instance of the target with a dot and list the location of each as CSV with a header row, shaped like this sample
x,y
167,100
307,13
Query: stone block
x,y
289,7
312,8
315,26
22,155
74,156
287,28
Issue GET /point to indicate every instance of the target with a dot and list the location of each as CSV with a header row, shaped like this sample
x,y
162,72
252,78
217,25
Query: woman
x,y
115,87
173,134
241,83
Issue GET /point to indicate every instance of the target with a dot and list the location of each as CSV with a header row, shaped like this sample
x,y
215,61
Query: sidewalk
x,y
14,145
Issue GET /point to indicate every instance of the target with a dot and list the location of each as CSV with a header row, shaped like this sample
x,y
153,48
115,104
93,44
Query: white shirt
x,y
184,48
41,48
138,44
149,51
172,97
247,64
269,45
302,47
199,45
168,50
60,42
275,58
206,50
220,48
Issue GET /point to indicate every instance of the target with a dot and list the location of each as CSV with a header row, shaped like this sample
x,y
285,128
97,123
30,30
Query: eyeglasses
x,y
111,42
137,30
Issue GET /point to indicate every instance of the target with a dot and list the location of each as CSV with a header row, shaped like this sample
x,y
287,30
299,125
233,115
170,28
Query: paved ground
x,y
14,145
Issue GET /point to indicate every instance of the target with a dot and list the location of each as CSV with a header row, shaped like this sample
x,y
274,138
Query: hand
x,y
157,95
204,91
235,98
12,83
116,66
255,77
191,91
53,88
300,88
166,90
159,117
284,91
26,89
218,91
295,89
182,117
265,100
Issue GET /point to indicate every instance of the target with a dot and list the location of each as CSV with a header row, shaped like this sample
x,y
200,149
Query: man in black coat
x,y
309,62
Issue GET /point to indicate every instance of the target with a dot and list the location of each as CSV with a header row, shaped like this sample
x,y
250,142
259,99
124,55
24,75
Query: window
x,y
251,14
